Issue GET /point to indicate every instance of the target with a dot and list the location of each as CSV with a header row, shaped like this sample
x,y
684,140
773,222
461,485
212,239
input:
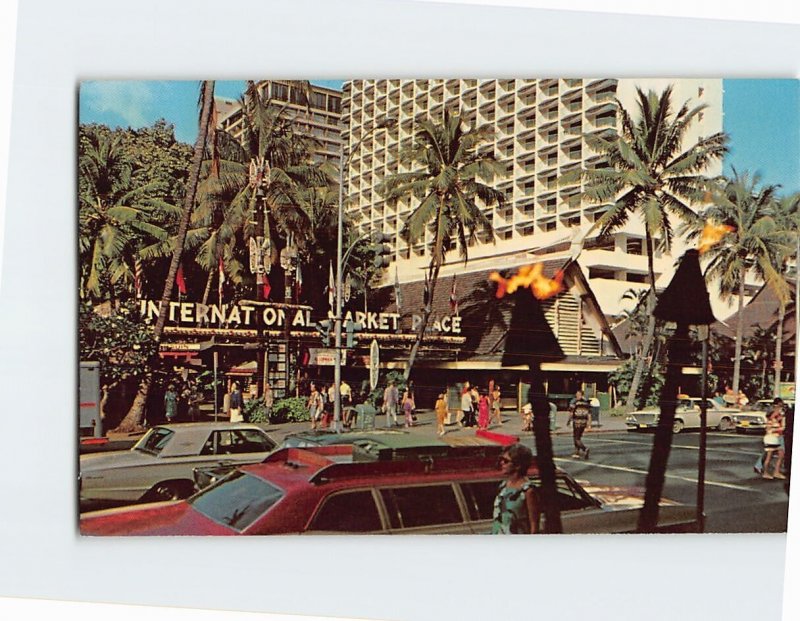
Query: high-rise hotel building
x,y
540,128
318,118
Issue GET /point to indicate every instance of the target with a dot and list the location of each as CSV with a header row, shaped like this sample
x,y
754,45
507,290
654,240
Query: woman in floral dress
x,y
516,508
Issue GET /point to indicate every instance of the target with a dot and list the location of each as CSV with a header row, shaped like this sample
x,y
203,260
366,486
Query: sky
x,y
762,118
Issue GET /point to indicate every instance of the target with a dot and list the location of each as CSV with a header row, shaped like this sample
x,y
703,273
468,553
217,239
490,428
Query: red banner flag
x,y
267,287
180,281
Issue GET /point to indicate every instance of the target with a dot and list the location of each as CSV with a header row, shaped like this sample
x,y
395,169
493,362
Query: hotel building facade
x,y
319,118
540,128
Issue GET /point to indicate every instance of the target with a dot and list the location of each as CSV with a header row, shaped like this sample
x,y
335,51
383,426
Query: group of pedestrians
x,y
320,403
479,407
183,402
773,443
392,402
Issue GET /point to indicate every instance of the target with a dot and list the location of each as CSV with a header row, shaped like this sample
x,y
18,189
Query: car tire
x,y
677,426
170,490
725,424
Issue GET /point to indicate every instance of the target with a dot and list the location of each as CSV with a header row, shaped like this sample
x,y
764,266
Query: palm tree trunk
x,y
737,356
647,343
207,290
133,419
433,272
778,346
433,276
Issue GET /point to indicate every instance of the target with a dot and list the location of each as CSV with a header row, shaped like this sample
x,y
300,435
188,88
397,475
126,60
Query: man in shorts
x,y
580,415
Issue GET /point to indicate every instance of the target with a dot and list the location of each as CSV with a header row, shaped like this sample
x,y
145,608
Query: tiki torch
x,y
685,303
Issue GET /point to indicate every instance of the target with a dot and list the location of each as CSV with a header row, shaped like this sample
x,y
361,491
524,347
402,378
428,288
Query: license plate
x,y
642,426
745,423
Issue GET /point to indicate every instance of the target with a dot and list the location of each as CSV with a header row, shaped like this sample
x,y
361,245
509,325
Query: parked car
x,y
687,416
755,419
159,466
322,490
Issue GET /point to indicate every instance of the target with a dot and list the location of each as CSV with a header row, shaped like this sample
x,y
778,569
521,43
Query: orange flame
x,y
712,235
530,276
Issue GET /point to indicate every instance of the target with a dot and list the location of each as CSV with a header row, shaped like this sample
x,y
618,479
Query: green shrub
x,y
291,410
254,411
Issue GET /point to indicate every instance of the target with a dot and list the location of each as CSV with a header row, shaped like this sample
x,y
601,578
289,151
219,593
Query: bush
x,y
291,410
254,411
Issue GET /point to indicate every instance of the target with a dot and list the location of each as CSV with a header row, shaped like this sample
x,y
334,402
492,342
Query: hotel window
x,y
634,246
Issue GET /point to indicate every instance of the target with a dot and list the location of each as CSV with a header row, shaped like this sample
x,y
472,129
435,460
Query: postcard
x,y
436,306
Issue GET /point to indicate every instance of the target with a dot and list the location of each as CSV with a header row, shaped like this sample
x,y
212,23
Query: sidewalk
x,y
425,426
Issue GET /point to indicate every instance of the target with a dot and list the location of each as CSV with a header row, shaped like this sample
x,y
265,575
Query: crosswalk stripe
x,y
669,476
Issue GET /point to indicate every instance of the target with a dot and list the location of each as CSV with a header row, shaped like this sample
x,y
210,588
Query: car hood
x,y
614,497
115,459
158,518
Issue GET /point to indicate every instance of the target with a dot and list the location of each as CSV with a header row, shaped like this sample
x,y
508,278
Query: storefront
x,y
466,339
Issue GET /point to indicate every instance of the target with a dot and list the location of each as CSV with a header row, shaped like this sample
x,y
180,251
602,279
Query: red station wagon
x,y
323,490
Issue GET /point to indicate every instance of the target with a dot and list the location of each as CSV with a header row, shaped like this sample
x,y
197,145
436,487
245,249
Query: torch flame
x,y
530,276
712,235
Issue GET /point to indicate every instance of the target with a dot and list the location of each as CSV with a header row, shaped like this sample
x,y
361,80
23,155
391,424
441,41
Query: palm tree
x,y
118,216
133,418
228,199
757,244
787,212
650,173
447,183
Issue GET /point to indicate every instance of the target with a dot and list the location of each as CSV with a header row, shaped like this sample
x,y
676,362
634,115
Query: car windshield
x,y
237,501
154,441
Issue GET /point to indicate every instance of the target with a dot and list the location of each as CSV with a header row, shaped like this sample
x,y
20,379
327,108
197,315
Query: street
x,y
737,500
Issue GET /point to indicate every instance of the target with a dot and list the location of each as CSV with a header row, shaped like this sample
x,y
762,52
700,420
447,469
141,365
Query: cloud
x,y
130,101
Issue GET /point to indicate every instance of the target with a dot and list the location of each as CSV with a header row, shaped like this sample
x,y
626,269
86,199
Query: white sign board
x,y
325,357
374,360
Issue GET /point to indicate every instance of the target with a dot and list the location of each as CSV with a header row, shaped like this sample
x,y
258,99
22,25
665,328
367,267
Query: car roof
x,y
299,467
189,437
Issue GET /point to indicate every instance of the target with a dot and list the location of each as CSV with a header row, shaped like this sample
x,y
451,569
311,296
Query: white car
x,y
687,416
755,419
160,465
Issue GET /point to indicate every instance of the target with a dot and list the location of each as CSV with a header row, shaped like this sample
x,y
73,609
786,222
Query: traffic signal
x,y
324,328
381,249
351,327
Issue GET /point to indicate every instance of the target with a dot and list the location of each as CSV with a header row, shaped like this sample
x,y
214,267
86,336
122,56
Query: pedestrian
x,y
580,417
773,442
494,402
741,399
483,411
527,417
324,395
390,398
408,409
171,403
194,400
466,407
269,399
346,392
475,396
413,397
441,413
314,405
237,402
516,506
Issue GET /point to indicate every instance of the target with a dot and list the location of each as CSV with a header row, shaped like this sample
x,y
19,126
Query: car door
x,y
354,511
428,509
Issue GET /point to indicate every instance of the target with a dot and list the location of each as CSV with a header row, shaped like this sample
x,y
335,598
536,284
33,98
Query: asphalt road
x,y
737,500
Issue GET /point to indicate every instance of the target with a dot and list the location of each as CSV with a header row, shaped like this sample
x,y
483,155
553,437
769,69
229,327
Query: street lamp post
x,y
337,368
